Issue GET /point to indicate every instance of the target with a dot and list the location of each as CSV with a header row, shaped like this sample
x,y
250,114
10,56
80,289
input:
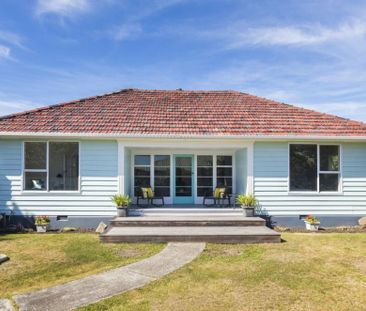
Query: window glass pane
x,y
303,167
64,166
162,181
207,181
328,182
180,171
204,191
224,171
204,160
142,160
204,171
35,181
224,182
183,161
329,158
142,171
162,160
183,191
162,191
162,171
224,160
35,154
183,181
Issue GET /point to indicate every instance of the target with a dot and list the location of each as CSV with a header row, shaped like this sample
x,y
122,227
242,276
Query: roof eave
x,y
178,136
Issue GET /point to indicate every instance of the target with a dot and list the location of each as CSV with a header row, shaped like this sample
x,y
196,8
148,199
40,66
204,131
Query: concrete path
x,y
99,286
5,305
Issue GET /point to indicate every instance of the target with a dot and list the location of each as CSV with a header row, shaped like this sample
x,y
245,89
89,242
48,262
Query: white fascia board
x,y
180,136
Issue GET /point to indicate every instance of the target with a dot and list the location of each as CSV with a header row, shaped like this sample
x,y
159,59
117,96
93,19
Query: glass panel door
x,y
183,179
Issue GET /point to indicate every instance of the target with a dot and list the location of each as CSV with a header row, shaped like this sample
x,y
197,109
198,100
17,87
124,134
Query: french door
x,y
183,179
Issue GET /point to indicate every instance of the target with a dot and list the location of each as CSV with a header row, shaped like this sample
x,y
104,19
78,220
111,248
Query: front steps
x,y
184,227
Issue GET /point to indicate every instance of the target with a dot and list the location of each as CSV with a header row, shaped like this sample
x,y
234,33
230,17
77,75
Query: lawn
x,y
42,260
307,272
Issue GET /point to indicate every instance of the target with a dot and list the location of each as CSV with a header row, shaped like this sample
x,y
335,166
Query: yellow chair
x,y
146,193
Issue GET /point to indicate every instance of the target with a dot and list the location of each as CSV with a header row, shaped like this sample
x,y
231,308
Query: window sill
x,y
45,192
335,193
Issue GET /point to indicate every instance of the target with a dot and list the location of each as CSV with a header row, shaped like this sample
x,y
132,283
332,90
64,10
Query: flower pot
x,y
121,212
42,228
312,226
248,211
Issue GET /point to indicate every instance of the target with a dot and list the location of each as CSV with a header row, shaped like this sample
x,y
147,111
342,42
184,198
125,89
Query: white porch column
x,y
250,168
121,168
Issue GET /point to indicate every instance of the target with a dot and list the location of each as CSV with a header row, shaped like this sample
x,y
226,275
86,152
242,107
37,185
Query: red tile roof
x,y
180,112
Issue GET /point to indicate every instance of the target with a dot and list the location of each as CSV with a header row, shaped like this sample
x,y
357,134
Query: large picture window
x,y
51,166
314,167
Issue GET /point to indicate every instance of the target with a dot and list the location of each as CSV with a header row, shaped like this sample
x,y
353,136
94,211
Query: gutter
x,y
179,136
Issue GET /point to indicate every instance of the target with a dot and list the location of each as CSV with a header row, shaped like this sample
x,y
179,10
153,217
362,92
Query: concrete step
x,y
174,220
211,234
187,211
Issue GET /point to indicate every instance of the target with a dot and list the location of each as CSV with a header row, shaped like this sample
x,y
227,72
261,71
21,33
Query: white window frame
x,y
150,165
339,172
24,170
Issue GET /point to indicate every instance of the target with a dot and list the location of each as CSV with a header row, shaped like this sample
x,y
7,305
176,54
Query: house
x,y
67,160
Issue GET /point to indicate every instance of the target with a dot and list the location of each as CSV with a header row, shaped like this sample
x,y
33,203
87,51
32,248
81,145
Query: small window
x,y
35,166
329,168
304,170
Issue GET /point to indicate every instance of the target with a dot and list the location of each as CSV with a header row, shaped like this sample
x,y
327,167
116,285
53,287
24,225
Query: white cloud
x,y
295,35
126,31
62,7
4,51
11,38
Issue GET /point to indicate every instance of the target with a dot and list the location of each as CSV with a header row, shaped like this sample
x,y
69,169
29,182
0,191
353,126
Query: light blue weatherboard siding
x,y
271,183
98,182
241,170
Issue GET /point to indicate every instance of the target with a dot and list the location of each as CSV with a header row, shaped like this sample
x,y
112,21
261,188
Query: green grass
x,y
307,272
42,260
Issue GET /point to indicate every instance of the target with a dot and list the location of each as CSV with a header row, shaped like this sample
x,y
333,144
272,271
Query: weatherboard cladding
x,y
98,182
271,183
180,112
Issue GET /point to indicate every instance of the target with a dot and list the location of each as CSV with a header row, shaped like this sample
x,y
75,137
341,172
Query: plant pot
x,y
121,212
42,228
312,226
248,211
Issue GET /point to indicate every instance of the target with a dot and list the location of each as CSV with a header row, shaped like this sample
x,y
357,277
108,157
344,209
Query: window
x,y
162,175
204,174
314,167
141,172
63,166
224,172
51,166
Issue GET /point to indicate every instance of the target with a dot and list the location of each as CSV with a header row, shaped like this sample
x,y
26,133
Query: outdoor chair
x,y
218,196
146,193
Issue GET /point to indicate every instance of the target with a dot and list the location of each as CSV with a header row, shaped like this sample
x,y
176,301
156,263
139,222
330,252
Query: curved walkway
x,y
102,285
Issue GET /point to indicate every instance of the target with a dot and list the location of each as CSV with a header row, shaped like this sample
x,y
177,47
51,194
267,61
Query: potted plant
x,y
122,203
42,223
311,223
248,203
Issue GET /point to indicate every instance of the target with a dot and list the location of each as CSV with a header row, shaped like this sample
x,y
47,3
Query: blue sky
x,y
307,53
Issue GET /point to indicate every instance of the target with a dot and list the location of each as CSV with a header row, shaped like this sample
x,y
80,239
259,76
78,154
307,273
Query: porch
x,y
183,174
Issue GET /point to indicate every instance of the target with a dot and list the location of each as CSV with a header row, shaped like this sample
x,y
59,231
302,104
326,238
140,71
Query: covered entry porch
x,y
185,172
